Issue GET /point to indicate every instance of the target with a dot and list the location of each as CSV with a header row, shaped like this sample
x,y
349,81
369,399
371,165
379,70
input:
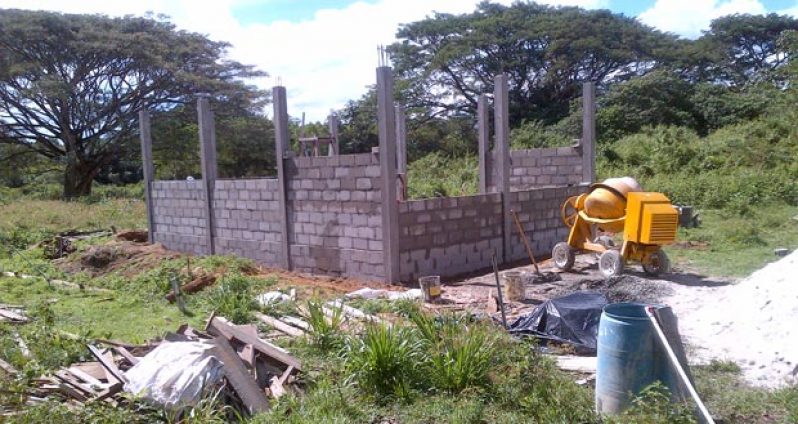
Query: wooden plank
x,y
93,369
108,365
127,355
94,382
583,364
296,322
279,325
8,368
220,328
236,373
247,354
13,316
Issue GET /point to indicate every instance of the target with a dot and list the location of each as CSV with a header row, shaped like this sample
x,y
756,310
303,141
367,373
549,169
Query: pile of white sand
x,y
753,323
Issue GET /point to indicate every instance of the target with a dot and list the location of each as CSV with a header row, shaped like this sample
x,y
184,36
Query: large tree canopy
x,y
547,53
71,85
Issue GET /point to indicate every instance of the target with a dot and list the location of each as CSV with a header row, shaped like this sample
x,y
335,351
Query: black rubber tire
x,y
563,256
611,263
656,263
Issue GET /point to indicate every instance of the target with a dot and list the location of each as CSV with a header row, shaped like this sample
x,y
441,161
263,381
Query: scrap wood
x,y
13,317
8,368
94,369
296,322
236,373
218,327
107,364
194,286
88,378
126,354
280,325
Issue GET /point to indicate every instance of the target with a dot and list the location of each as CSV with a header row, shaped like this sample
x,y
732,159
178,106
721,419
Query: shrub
x,y
233,298
325,331
458,355
385,359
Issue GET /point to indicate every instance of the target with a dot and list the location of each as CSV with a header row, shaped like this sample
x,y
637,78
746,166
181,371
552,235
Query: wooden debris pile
x,y
254,370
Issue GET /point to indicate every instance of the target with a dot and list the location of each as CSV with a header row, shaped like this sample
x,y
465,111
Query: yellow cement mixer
x,y
647,220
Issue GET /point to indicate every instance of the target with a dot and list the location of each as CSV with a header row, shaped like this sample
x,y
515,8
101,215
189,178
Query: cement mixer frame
x,y
649,222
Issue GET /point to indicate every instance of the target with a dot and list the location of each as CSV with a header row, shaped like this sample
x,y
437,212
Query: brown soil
x,y
129,258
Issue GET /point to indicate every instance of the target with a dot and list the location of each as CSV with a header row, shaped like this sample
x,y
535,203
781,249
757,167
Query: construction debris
x,y
194,286
369,293
12,315
179,370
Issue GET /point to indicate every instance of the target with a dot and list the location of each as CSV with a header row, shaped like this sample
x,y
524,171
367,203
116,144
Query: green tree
x,y
547,52
745,49
71,85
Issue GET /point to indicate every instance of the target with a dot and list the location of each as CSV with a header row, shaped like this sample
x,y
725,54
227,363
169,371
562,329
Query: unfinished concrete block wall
x,y
178,215
538,211
342,215
543,167
448,236
245,220
334,215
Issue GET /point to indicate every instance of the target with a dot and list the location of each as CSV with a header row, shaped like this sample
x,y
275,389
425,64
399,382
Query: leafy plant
x,y
325,331
385,359
233,298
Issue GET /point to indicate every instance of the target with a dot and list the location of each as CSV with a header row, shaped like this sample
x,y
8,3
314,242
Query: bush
x,y
385,360
325,332
233,298
436,175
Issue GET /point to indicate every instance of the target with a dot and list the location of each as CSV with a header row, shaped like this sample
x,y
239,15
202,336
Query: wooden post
x,y
483,131
207,134
281,141
386,119
148,169
588,132
501,109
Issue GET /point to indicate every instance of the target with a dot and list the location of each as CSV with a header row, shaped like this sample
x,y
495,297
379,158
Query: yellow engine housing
x,y
650,219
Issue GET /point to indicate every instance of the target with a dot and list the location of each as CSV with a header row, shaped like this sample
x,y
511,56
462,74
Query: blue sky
x,y
324,51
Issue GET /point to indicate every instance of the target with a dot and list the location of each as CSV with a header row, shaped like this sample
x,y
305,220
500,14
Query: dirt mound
x,y
123,257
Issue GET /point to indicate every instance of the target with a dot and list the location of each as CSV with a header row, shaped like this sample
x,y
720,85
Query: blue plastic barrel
x,y
629,358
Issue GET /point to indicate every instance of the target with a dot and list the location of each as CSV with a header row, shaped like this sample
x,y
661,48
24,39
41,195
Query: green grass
x,y
731,245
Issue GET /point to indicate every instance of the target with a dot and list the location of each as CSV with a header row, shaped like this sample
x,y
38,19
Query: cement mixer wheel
x,y
611,263
563,255
569,211
656,263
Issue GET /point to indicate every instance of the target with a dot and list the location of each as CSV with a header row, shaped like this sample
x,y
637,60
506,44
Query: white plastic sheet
x,y
174,375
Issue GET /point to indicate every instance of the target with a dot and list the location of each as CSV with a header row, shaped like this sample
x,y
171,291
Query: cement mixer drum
x,y
607,200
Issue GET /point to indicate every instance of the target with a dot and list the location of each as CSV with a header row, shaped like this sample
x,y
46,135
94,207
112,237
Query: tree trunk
x,y
78,178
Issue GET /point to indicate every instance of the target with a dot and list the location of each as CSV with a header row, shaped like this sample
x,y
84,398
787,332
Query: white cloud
x,y
690,17
323,61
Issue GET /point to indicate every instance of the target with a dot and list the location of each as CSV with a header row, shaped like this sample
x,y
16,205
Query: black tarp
x,y
570,319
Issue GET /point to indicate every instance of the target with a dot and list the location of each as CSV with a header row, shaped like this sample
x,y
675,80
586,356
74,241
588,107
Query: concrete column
x,y
386,120
207,135
588,132
334,146
148,169
483,131
281,143
501,118
401,140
